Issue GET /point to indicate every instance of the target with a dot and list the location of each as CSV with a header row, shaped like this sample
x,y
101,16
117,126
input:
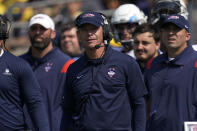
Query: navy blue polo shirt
x,y
104,94
18,85
172,89
50,72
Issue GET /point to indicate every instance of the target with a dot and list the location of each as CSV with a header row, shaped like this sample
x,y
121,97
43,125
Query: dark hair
x,y
147,28
4,27
68,26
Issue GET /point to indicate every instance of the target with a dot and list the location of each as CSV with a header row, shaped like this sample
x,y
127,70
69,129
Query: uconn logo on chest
x,y
111,72
48,67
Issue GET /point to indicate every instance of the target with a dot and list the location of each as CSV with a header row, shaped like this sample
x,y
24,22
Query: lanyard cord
x,y
96,74
81,106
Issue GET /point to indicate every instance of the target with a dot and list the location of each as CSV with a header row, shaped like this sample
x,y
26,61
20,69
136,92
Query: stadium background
x,y
62,11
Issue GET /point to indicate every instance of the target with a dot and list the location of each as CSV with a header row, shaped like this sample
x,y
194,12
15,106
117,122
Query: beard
x,y
40,45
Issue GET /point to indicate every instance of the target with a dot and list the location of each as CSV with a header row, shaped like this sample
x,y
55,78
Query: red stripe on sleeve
x,y
66,65
196,64
149,63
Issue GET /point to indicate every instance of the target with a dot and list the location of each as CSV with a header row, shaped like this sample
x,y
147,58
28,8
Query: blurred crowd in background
x,y
62,11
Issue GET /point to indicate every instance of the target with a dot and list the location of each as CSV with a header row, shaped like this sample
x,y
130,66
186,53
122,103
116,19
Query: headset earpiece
x,y
107,32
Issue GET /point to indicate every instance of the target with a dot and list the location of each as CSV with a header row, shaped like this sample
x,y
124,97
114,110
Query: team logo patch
x,y
48,66
111,72
7,72
133,19
182,67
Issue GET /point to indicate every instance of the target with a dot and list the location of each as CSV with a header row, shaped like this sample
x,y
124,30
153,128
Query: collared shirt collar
x,y
99,60
32,59
182,58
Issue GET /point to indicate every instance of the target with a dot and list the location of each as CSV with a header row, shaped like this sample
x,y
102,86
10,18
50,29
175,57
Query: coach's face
x,y
40,37
174,37
90,35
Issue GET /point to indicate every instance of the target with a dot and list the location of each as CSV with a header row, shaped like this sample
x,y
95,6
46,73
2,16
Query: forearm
x,y
139,114
38,115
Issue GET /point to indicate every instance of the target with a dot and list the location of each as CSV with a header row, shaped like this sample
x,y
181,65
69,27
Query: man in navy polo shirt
x,y
18,86
49,65
104,88
172,79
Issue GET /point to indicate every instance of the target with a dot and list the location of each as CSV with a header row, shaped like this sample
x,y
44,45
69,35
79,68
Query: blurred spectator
x,y
69,41
92,5
111,4
71,10
2,8
27,13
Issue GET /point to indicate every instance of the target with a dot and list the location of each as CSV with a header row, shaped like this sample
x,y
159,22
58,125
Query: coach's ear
x,y
188,36
53,34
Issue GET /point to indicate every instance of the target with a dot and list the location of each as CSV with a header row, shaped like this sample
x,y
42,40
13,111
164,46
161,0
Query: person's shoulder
x,y
122,56
122,60
15,62
77,65
155,62
160,57
24,55
59,57
78,62
60,54
13,59
192,53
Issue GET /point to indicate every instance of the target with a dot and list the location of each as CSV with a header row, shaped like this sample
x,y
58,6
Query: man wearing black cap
x,y
104,88
172,79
